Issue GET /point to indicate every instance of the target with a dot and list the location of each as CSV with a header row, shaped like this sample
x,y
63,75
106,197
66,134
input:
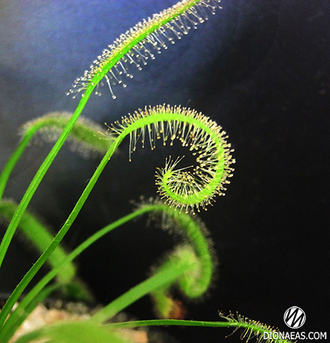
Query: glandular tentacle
x,y
190,188
143,42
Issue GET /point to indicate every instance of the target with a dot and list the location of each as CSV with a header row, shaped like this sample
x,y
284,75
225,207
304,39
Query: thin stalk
x,y
12,162
18,315
97,75
74,213
41,237
88,87
251,328
24,203
39,175
62,232
163,277
64,229
171,322
85,134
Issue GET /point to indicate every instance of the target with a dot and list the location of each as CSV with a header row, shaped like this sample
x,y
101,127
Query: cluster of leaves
x,y
190,266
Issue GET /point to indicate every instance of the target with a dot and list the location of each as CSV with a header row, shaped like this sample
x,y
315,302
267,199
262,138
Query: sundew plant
x,y
182,193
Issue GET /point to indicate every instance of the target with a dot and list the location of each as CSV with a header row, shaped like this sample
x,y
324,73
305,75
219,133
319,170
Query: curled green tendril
x,y
193,129
196,253
185,189
177,21
165,305
193,233
197,243
192,263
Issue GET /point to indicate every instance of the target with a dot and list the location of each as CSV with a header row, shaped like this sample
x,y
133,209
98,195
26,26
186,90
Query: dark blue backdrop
x,y
261,70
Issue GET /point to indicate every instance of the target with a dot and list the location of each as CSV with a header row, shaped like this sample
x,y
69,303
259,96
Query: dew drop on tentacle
x,y
155,41
193,186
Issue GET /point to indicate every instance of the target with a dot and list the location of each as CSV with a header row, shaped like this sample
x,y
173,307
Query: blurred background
x,y
261,70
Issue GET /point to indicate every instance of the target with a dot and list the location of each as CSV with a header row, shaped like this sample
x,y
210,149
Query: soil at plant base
x,y
58,312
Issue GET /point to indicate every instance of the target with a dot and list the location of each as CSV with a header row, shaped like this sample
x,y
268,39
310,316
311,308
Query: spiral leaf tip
x,y
191,188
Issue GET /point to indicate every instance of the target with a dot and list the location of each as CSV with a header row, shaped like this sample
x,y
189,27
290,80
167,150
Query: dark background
x,y
261,70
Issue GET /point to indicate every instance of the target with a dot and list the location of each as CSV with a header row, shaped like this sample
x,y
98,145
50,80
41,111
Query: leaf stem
x,y
251,328
88,88
19,314
40,236
12,162
39,176
17,317
169,322
167,275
